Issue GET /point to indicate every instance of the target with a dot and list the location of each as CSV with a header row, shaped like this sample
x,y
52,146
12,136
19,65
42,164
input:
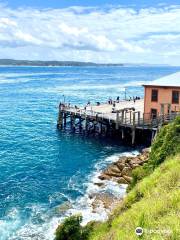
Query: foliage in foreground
x,y
71,229
167,143
154,200
153,204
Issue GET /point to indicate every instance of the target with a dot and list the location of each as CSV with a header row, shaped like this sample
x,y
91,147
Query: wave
x,y
83,205
116,88
43,221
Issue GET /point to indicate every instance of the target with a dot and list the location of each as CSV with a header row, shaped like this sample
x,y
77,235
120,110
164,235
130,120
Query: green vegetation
x,y
71,229
166,144
153,204
153,201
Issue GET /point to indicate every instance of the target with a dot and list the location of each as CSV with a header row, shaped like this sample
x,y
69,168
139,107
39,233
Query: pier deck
x,y
118,117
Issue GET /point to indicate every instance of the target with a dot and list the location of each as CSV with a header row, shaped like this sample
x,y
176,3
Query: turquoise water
x,y
40,167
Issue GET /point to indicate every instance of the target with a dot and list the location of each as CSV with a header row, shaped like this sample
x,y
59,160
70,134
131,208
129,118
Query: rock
x,y
126,171
135,160
99,184
135,166
114,168
111,173
120,165
123,167
104,177
142,158
121,180
128,159
127,178
104,199
64,207
146,150
122,160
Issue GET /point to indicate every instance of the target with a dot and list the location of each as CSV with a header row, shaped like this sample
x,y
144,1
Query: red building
x,y
162,96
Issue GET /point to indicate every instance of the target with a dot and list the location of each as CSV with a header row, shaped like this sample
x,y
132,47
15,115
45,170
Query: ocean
x,y
47,174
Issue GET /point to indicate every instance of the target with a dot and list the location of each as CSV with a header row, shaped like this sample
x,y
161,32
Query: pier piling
x,y
124,122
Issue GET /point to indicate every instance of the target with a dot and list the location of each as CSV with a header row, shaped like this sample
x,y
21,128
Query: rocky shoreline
x,y
104,198
119,172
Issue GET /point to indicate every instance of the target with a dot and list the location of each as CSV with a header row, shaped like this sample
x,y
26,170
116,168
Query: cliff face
x,y
153,203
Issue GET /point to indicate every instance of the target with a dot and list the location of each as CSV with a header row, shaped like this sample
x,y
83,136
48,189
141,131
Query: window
x,y
154,96
153,113
175,97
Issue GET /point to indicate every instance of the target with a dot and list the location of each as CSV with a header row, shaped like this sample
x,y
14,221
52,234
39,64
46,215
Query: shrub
x,y
167,143
71,229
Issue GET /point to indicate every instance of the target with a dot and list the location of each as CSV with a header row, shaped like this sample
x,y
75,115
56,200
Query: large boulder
x,y
127,171
121,180
127,178
114,168
120,165
135,160
122,159
103,176
111,173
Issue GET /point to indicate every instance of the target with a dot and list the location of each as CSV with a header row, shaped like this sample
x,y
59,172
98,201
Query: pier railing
x,y
124,117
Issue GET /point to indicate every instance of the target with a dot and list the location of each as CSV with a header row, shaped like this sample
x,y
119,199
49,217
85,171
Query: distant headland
x,y
39,63
12,62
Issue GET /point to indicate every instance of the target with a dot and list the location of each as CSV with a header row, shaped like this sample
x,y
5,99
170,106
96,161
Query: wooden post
x,y
134,118
73,122
86,124
134,129
71,119
143,119
80,123
60,119
64,119
130,117
117,120
133,135
169,111
139,116
122,119
122,132
100,128
125,117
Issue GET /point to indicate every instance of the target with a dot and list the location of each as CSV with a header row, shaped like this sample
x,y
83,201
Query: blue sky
x,y
97,30
68,3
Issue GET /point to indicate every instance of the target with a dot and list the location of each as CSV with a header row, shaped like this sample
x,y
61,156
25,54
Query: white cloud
x,y
92,34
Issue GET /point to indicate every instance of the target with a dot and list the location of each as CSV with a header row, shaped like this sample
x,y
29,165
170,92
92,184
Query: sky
x,y
101,31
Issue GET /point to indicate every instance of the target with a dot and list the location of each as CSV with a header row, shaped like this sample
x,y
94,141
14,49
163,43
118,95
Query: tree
x,y
71,229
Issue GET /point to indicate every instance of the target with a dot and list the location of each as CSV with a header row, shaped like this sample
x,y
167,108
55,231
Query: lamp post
x,y
64,98
125,93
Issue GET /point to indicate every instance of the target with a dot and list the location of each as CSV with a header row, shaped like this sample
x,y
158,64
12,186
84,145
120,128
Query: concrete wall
x,y
164,96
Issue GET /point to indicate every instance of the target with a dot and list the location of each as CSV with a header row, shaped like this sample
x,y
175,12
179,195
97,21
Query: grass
x,y
167,143
153,204
153,199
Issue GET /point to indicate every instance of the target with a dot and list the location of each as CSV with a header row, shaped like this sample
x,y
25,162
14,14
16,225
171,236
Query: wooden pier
x,y
121,118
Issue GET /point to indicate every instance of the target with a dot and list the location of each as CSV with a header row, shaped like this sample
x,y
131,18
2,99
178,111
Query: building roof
x,y
172,80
